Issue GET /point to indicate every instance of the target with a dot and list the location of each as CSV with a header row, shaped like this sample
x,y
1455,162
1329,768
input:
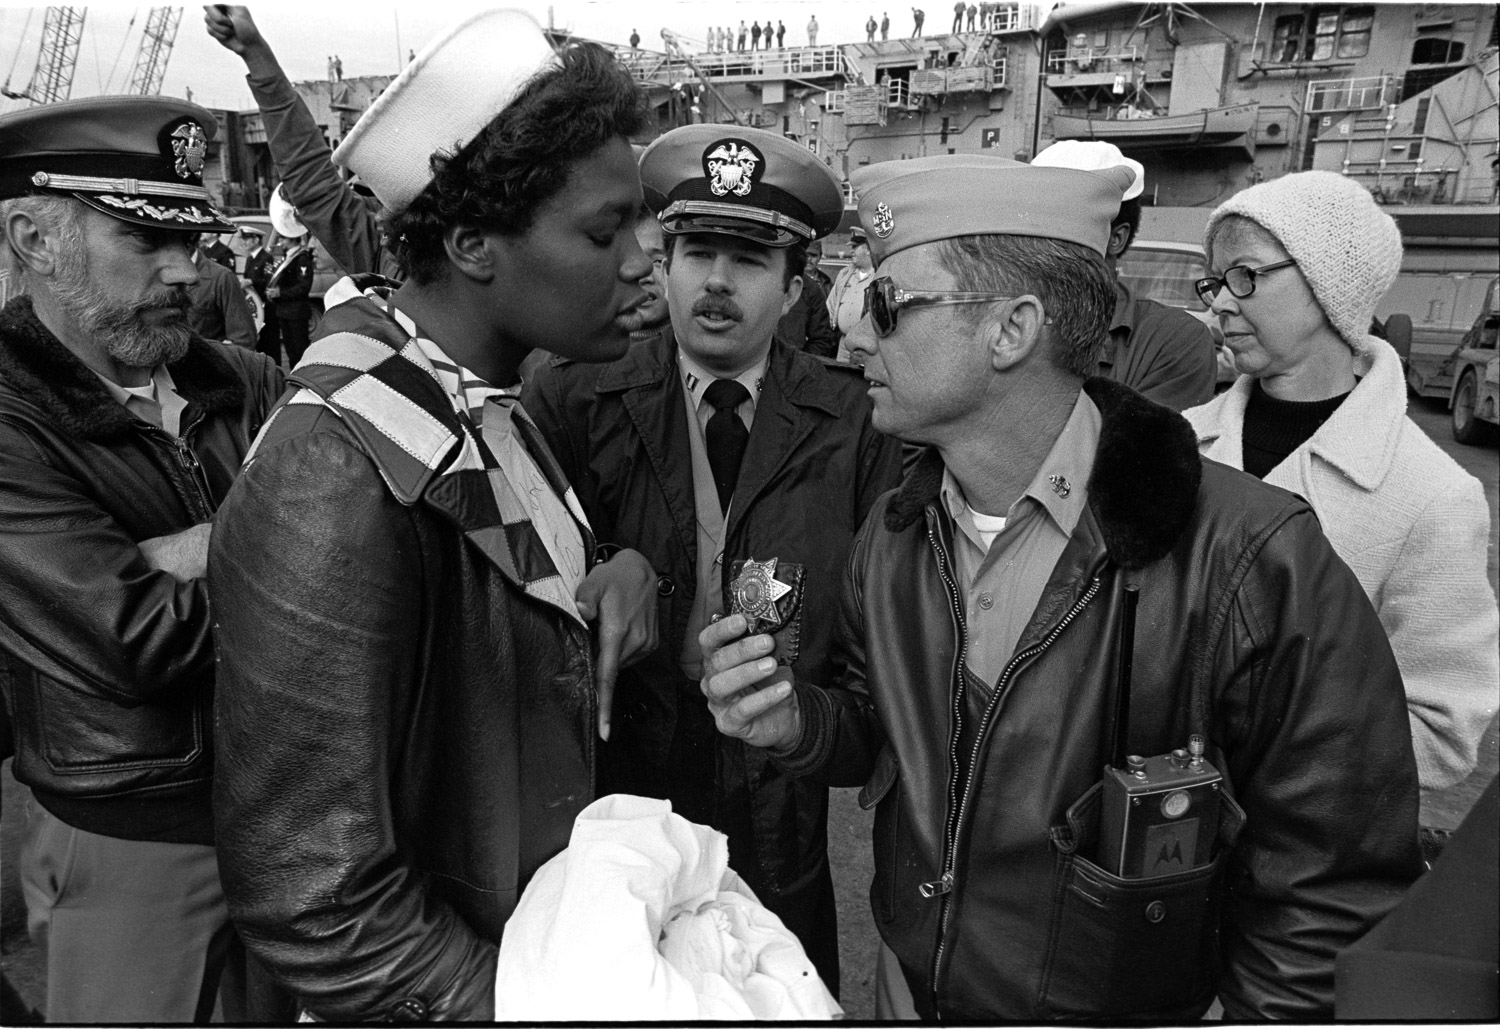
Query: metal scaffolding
x,y
156,46
62,32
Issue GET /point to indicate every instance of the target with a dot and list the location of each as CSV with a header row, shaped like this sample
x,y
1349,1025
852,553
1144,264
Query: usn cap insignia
x,y
731,166
883,222
189,147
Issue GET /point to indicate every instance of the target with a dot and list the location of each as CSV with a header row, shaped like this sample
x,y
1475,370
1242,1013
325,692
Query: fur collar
x,y
35,365
1143,488
1360,440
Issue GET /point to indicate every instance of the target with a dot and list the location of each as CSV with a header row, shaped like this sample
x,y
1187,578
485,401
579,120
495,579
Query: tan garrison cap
x,y
906,203
741,182
135,158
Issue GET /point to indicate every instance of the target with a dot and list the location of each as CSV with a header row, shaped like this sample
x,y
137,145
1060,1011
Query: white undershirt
x,y
988,526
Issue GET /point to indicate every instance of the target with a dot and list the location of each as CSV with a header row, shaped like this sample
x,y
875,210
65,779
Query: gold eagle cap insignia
x,y
731,166
189,147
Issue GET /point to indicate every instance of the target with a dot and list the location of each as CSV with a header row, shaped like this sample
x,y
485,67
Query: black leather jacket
x,y
983,892
405,736
106,664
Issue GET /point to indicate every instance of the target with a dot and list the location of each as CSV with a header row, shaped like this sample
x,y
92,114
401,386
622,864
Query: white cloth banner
x,y
641,918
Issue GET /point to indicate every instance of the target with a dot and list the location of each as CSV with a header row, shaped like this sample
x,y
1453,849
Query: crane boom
x,y
156,46
62,32
674,49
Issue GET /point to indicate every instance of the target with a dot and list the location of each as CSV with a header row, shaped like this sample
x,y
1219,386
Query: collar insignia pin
x,y
884,220
1060,486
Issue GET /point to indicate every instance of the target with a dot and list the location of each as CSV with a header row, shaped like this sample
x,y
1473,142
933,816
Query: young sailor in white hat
x,y
405,583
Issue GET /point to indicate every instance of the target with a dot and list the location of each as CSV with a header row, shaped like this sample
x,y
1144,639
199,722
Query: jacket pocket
x,y
882,792
78,734
1146,949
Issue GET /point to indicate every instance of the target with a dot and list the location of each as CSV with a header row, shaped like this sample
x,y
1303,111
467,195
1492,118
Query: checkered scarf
x,y
419,415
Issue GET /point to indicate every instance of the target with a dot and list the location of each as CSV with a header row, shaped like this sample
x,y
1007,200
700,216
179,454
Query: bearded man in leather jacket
x,y
980,635
404,581
121,431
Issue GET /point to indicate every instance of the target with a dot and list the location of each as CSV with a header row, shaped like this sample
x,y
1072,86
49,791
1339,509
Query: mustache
x,y
172,296
711,304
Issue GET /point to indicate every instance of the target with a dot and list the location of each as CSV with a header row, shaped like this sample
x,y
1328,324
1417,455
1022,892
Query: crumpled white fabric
x,y
640,919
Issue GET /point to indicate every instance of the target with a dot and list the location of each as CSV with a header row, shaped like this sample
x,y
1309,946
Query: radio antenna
x,y
1121,728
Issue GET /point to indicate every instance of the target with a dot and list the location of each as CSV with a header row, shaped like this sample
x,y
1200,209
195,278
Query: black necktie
x,y
726,435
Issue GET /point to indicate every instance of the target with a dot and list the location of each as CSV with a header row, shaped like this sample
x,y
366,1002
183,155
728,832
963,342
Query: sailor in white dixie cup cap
x,y
419,635
1166,353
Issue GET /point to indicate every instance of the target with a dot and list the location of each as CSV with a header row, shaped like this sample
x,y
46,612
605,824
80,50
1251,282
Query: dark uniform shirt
x,y
1159,351
807,325
220,310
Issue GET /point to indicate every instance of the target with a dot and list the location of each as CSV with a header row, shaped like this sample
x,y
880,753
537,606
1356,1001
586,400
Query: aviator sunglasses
x,y
1240,280
883,299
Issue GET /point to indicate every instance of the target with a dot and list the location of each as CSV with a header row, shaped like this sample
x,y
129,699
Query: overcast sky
x,y
370,39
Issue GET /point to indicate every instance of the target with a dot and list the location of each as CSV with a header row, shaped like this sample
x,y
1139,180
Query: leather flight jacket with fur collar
x,y
978,882
107,665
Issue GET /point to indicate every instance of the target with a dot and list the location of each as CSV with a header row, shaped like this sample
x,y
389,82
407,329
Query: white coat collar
x,y
1359,440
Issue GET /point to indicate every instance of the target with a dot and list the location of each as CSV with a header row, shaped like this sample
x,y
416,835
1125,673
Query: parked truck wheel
x,y
1397,330
1466,427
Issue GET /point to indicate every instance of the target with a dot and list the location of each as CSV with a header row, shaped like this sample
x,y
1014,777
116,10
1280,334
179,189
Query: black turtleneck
x,y
1274,428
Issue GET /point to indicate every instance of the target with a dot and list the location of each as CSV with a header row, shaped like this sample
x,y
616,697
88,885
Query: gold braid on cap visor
x,y
93,184
739,212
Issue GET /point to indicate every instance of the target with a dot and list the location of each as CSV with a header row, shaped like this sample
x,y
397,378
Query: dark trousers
x,y
269,340
294,336
286,327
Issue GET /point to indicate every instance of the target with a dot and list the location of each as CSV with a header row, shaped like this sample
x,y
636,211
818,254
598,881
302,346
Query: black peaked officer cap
x,y
136,158
741,182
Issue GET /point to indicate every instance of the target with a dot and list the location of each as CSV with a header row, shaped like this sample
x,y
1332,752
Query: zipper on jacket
x,y
937,887
955,821
200,481
943,885
189,462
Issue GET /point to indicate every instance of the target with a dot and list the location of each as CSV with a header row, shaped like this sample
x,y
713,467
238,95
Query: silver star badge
x,y
754,593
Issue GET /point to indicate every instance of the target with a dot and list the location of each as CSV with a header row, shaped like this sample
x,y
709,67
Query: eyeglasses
x,y
883,299
1240,279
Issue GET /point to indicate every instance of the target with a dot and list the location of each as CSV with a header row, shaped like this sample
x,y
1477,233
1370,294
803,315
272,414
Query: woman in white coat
x,y
1319,408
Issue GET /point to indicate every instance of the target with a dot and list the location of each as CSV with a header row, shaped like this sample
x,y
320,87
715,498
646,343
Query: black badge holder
x,y
769,595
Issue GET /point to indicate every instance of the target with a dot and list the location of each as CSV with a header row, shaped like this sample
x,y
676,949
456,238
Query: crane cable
x,y
124,38
16,57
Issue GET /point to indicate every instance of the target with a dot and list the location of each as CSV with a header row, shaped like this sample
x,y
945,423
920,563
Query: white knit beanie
x,y
1347,248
